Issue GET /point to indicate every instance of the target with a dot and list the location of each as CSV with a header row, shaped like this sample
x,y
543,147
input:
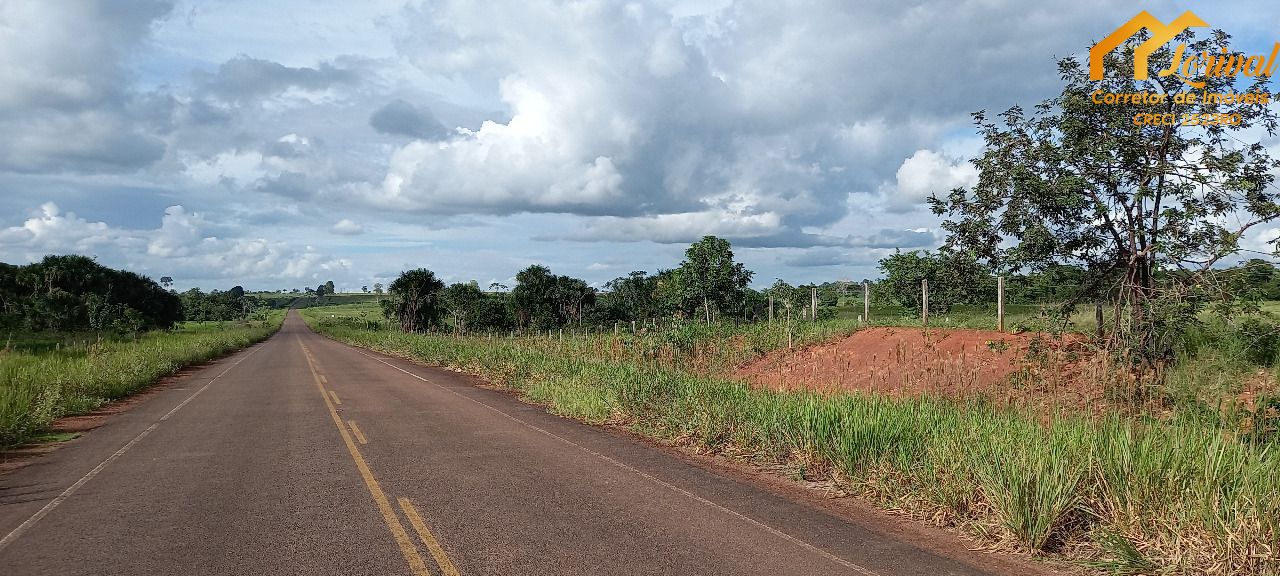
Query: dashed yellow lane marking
x,y
416,565
437,551
356,430
335,397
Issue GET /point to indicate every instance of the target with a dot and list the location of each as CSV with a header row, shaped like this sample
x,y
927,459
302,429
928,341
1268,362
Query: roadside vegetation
x,y
1191,488
40,385
78,334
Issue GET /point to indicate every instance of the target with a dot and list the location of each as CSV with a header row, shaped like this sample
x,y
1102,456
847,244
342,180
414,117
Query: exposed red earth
x,y
901,361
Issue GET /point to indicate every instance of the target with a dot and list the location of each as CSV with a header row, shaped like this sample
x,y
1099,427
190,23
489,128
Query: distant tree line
x,y
708,285
233,304
75,293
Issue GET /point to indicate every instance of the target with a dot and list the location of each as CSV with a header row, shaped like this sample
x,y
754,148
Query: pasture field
x,y
46,377
1185,481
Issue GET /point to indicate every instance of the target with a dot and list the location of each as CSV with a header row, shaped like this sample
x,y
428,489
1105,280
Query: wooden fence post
x,y
1097,315
771,308
924,302
813,304
866,302
1000,303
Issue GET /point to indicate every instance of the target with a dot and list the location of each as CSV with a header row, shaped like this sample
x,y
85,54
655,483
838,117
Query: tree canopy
x,y
710,280
954,278
75,293
415,300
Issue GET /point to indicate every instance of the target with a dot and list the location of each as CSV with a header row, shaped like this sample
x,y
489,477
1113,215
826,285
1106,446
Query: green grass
x,y
1028,317
38,387
1182,493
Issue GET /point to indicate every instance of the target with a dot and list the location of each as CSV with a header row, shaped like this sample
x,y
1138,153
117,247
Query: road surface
x,y
302,455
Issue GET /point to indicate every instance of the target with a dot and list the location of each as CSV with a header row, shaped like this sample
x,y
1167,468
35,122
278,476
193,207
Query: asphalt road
x,y
305,456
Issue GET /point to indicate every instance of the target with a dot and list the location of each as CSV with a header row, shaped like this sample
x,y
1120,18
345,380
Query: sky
x,y
281,144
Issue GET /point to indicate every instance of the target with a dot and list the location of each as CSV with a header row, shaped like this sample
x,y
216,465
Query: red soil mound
x,y
910,361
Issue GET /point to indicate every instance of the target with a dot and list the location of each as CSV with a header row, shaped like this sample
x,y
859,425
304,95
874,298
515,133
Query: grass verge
x,y
38,387
1119,493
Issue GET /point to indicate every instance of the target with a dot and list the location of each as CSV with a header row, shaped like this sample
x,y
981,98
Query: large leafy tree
x,y
544,300
532,297
1147,211
415,300
710,280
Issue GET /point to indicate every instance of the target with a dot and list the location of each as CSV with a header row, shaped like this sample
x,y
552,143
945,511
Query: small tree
x,y
710,279
377,288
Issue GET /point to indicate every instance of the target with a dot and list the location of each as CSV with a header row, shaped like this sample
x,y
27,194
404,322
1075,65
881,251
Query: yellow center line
x,y
442,559
356,430
416,565
335,397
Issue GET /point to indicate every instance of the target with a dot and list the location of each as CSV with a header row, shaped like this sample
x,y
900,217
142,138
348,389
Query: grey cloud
x,y
826,257
288,184
290,147
243,79
68,103
404,119
204,113
888,238
346,227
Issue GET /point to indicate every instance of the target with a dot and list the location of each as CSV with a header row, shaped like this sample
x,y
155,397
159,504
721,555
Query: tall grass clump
x,y
1122,493
38,387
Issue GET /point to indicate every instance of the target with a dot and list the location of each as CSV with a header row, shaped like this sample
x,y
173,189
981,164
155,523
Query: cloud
x,y
346,227
677,228
927,173
68,104
180,248
400,118
663,116
244,79
291,166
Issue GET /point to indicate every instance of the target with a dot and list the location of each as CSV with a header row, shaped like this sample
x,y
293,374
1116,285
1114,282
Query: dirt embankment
x,y
913,361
